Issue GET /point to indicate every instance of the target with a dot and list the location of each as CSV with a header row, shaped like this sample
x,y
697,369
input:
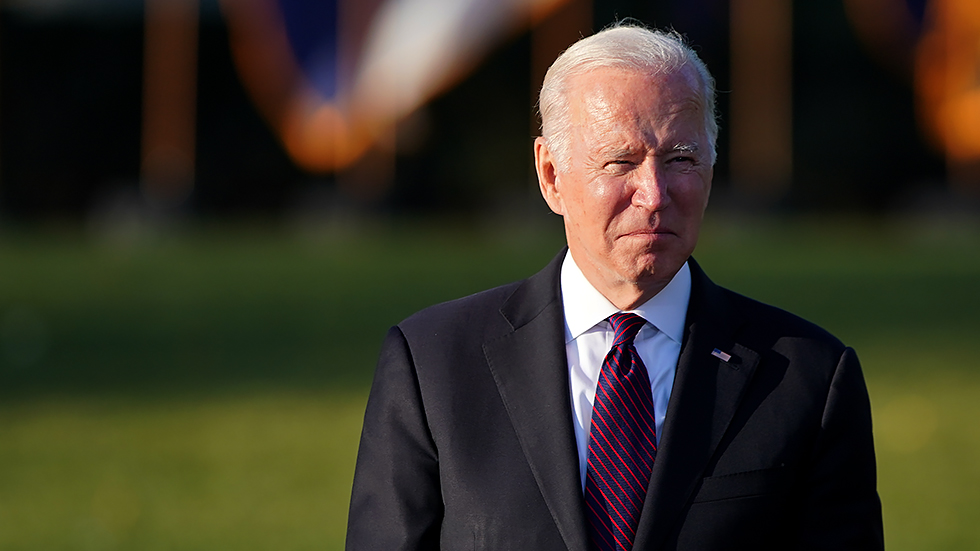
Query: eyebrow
x,y
627,151
686,148
620,151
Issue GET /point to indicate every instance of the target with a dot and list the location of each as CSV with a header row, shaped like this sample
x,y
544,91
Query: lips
x,y
649,232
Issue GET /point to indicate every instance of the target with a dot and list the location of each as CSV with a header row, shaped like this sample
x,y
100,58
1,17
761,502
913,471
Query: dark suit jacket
x,y
468,441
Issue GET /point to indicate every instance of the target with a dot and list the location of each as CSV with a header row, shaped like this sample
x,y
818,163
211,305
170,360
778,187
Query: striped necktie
x,y
622,441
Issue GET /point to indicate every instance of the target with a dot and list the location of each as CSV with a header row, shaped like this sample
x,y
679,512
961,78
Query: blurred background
x,y
212,210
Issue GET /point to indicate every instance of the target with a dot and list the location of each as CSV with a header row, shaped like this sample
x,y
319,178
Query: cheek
x,y
691,194
592,200
608,196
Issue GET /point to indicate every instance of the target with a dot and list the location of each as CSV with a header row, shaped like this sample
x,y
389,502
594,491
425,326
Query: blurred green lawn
x,y
204,390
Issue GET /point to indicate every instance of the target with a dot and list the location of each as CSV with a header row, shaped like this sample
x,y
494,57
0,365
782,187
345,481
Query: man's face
x,y
637,183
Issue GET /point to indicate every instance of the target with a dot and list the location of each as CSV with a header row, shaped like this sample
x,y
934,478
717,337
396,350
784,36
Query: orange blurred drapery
x,y
394,56
947,70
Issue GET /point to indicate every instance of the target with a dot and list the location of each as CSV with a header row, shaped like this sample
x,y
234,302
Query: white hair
x,y
627,47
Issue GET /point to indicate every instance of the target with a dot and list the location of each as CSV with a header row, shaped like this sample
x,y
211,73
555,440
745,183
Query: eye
x,y
619,165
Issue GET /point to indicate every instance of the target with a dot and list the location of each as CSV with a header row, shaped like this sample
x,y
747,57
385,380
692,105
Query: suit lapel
x,y
706,393
529,367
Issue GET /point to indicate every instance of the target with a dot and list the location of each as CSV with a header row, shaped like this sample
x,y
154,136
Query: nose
x,y
650,191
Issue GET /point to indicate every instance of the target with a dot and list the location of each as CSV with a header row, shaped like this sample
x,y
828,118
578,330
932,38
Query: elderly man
x,y
618,399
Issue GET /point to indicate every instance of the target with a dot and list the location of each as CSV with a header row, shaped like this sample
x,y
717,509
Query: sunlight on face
x,y
638,182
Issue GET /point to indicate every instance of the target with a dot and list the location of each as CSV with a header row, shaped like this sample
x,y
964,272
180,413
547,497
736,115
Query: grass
x,y
252,471
928,441
205,390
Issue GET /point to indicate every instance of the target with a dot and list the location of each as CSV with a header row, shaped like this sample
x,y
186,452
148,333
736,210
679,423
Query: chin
x,y
656,270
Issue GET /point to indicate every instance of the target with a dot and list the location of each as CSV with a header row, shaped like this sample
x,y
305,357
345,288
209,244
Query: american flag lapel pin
x,y
721,355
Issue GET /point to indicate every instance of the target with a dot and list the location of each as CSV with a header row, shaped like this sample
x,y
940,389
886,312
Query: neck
x,y
627,295
624,294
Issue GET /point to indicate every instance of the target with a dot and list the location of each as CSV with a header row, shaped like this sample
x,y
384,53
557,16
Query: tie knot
x,y
625,327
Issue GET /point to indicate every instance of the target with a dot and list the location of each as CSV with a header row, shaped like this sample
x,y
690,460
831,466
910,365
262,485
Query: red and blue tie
x,y
622,441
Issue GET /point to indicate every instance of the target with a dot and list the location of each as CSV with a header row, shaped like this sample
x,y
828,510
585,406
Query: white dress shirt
x,y
589,336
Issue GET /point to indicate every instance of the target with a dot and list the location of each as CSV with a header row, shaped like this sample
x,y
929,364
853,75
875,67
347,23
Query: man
x,y
618,399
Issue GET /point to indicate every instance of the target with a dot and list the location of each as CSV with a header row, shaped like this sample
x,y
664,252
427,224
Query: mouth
x,y
650,233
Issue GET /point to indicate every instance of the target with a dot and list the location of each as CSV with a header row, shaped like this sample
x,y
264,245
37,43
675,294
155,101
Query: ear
x,y
547,169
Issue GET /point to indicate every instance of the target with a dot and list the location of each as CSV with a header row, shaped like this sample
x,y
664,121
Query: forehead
x,y
614,95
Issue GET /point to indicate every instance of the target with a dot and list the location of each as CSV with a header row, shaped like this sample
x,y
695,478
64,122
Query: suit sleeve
x,y
842,510
395,501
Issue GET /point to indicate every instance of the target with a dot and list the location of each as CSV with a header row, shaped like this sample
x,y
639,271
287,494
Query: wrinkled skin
x,y
637,183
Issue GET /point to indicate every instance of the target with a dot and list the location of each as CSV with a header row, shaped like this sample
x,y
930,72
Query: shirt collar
x,y
585,307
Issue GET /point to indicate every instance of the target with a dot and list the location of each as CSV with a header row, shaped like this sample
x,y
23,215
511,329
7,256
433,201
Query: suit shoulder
x,y
466,313
773,323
